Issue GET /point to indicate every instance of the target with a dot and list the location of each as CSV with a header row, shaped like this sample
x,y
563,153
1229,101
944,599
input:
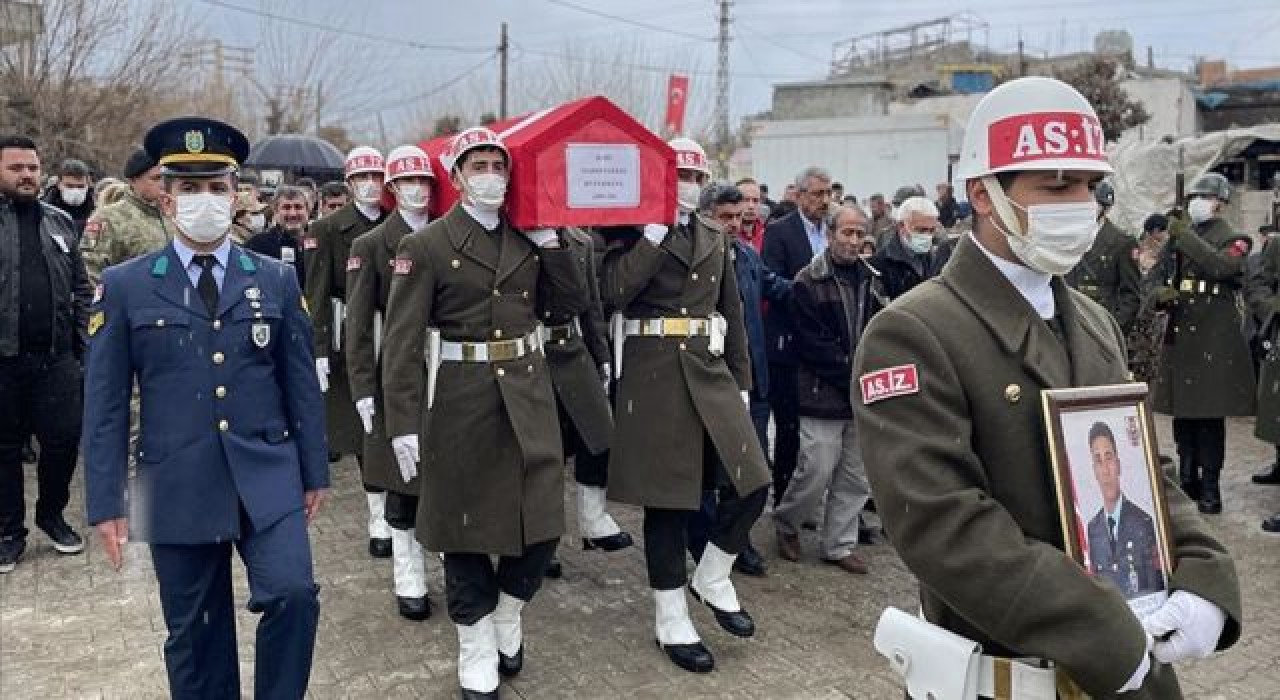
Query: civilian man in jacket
x,y
790,243
832,300
44,299
907,259
753,224
283,241
72,194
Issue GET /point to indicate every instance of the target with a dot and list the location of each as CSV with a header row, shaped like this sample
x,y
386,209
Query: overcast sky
x,y
773,40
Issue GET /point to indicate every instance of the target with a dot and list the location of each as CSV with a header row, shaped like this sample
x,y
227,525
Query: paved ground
x,y
72,628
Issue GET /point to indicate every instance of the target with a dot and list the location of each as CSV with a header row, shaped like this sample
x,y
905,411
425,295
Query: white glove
x,y
746,398
1192,624
1139,676
322,373
406,449
544,238
656,233
606,374
365,408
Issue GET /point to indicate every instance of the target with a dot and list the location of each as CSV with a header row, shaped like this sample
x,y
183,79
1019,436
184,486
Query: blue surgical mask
x,y
920,242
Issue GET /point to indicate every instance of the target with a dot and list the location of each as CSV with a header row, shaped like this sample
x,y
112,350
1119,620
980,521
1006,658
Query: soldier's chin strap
x,y
1004,208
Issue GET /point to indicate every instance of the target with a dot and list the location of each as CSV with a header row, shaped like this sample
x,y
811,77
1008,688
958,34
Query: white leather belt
x,y
339,309
1002,678
492,351
667,327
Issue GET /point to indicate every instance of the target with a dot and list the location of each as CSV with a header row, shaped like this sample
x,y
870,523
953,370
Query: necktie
x,y
207,286
1111,533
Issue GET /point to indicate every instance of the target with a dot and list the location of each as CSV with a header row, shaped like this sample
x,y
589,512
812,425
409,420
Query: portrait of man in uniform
x,y
1111,507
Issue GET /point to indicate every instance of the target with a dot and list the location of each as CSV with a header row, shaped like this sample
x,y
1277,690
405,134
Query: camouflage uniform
x,y
122,231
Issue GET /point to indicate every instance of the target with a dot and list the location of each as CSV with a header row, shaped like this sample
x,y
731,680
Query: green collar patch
x,y
246,264
160,267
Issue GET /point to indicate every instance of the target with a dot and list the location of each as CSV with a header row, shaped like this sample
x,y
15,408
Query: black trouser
x,y
472,583
784,400
665,529
39,394
402,510
589,469
368,488
1201,441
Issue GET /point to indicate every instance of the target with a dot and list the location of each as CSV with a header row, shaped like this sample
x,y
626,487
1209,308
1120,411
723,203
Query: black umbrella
x,y
296,153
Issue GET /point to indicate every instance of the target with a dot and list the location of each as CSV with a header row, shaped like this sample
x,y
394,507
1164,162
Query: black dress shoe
x,y
65,540
612,543
554,570
1272,525
509,666
739,623
477,695
11,550
1270,476
416,609
694,658
380,548
1210,506
749,562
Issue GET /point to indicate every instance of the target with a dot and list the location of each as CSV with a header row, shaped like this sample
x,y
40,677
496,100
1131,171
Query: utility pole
x,y
1022,60
504,51
722,90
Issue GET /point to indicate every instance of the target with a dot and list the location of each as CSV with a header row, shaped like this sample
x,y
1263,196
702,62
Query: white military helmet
x,y
1032,123
363,159
689,155
475,137
408,161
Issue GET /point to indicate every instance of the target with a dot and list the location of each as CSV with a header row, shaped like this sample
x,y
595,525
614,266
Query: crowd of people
x,y
228,348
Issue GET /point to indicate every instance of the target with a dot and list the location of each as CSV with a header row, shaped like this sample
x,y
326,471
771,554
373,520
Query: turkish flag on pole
x,y
677,96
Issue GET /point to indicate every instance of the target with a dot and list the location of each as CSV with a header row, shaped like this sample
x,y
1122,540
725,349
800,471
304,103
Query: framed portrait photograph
x,y
1111,500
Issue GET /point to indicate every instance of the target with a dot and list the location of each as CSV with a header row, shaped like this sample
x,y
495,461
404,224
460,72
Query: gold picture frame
x,y
1114,517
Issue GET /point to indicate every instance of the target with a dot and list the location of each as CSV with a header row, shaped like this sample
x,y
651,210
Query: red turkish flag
x,y
677,96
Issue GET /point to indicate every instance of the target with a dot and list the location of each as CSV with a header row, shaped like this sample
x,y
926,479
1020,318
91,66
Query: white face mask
x,y
1200,209
257,222
368,192
920,242
687,194
1057,236
413,197
204,217
485,191
74,196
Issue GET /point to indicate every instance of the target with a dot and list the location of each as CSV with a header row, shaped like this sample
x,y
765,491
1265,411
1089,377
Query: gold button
x,y
218,358
223,425
217,325
220,392
502,372
160,322
1013,393
530,368
682,347
694,277
497,332
497,293
456,264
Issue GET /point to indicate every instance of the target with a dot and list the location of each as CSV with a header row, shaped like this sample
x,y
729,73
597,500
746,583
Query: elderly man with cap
x,y
327,247
468,393
134,226
683,377
409,177
235,459
970,503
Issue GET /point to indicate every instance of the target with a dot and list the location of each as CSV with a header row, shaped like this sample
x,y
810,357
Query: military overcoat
x,y
492,468
1109,275
675,398
368,288
1263,294
326,248
955,446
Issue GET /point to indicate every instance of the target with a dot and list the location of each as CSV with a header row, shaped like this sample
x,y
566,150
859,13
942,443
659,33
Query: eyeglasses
x,y
821,194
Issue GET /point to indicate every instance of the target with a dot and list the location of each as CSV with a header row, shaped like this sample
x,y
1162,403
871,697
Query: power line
x,y
778,44
632,22
435,90
653,68
380,38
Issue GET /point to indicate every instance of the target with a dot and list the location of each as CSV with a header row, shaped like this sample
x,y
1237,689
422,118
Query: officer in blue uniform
x,y
232,447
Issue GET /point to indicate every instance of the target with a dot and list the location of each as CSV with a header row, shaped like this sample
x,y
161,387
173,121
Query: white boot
x,y
506,622
711,579
408,564
478,656
378,527
671,620
593,521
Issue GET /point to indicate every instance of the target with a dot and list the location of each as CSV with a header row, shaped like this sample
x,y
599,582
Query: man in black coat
x,y
908,259
73,193
283,240
790,243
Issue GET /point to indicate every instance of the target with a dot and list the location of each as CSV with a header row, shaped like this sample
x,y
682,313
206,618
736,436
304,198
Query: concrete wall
x,y
824,100
1169,102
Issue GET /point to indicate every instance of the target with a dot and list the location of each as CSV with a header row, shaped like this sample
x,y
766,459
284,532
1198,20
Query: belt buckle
x,y
470,351
1187,286
676,326
503,350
